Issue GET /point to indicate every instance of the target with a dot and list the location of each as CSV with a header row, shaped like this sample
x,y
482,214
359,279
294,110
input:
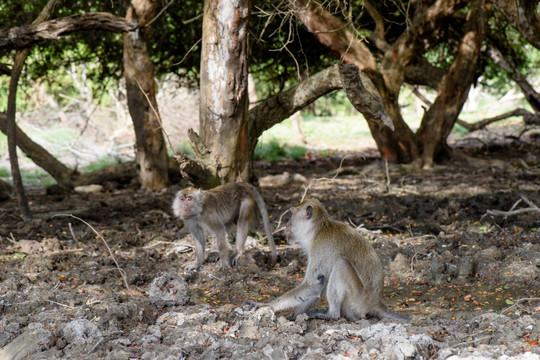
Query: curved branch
x,y
528,118
279,107
24,36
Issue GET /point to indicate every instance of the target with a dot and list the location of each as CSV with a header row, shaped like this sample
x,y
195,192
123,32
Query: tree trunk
x,y
11,126
340,38
439,120
141,94
18,65
223,144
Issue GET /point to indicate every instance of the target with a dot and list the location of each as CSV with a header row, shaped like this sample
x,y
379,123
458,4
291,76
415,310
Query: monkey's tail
x,y
266,221
383,312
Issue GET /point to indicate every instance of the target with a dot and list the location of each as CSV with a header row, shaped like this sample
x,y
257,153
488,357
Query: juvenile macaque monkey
x,y
340,261
216,210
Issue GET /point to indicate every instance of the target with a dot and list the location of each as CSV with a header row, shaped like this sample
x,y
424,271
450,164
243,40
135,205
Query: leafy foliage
x,y
273,151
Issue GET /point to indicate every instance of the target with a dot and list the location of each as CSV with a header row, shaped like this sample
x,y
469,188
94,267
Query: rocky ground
x,y
100,275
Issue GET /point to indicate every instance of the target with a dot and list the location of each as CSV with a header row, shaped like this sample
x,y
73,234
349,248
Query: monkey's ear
x,y
309,212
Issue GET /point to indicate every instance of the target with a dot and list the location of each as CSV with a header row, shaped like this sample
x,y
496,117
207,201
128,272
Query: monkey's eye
x,y
189,198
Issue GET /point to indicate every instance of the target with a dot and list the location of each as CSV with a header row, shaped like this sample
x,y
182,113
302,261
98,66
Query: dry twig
x,y
532,208
108,248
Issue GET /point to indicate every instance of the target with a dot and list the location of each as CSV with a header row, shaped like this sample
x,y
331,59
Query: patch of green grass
x,y
37,178
187,149
273,151
100,164
4,173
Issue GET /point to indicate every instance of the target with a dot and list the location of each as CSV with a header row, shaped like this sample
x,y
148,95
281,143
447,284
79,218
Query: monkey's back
x,y
354,247
220,200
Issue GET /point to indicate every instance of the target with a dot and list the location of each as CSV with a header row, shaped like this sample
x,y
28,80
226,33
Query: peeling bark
x,y
27,35
223,143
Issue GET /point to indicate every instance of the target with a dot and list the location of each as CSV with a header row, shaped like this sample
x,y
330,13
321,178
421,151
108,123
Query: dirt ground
x,y
468,280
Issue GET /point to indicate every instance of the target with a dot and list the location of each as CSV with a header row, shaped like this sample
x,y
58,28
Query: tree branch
x,y
485,122
24,36
279,107
507,64
523,16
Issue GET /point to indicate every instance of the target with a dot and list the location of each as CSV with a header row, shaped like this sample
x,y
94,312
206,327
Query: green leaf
x,y
19,255
510,302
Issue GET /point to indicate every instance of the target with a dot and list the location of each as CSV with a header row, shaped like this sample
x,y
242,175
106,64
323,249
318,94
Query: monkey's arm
x,y
198,237
302,297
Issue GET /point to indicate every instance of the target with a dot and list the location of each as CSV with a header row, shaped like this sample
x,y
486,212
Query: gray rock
x,y
28,343
80,329
168,289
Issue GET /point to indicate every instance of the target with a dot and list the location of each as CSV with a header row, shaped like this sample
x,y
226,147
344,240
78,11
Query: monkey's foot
x,y
224,266
253,304
191,268
318,314
234,261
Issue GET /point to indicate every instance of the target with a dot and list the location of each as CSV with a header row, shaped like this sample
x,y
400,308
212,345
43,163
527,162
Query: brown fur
x,y
341,262
217,210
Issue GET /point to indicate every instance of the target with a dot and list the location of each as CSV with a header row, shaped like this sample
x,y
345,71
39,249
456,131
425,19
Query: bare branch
x,y
485,122
24,36
532,208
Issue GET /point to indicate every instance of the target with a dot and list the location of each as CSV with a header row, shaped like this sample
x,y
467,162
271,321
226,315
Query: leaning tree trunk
x,y
222,144
439,120
141,94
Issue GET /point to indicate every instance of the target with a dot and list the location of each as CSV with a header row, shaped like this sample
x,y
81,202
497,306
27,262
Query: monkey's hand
x,y
254,304
318,314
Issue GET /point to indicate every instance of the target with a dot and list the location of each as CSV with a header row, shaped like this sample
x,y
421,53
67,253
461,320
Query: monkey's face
x,y
188,203
299,229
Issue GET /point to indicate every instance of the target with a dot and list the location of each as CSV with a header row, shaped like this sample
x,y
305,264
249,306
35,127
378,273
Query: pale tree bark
x,y
439,120
222,144
18,65
141,93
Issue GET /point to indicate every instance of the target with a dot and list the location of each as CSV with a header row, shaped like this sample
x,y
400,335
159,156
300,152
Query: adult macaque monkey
x,y
340,261
216,210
